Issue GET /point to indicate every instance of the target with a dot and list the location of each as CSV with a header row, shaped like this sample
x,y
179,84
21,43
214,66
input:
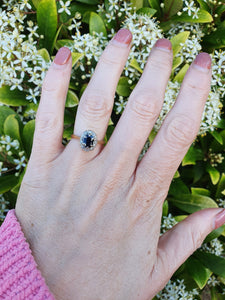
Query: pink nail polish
x,y
164,44
123,36
62,56
219,219
203,61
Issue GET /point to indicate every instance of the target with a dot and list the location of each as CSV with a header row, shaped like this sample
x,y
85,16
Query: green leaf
x,y
200,191
5,111
91,2
36,3
81,8
180,75
96,24
137,3
192,156
146,11
176,62
176,175
135,65
16,188
213,173
165,208
12,98
155,4
191,203
11,127
44,54
71,99
217,38
198,271
203,17
123,87
220,186
178,186
67,132
221,124
216,294
172,7
68,117
7,183
214,234
27,136
204,5
58,31
64,43
217,136
179,39
220,9
75,57
214,263
47,22
180,218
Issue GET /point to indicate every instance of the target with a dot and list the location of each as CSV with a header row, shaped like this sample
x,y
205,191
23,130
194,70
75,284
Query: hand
x,y
93,218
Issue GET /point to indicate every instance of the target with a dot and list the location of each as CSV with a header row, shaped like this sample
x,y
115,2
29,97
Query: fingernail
x,y
123,36
164,45
219,219
203,62
62,56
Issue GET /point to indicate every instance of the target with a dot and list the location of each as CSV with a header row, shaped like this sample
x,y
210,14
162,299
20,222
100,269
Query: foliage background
x,y
31,32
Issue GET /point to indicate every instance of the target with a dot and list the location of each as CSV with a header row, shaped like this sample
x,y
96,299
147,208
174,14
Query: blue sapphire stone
x,y
88,140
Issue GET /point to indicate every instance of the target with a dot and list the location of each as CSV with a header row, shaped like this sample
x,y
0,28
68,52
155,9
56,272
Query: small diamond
x,y
88,140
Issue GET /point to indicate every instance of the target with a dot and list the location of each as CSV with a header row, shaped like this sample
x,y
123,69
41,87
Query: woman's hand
x,y
93,218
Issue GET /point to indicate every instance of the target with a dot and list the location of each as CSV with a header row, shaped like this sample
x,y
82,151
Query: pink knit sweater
x,y
19,277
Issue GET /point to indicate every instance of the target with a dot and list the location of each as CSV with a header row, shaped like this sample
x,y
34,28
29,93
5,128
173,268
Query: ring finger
x,y
96,103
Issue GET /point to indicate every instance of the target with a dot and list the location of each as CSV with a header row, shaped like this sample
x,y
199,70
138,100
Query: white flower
x,y
120,105
113,5
214,247
20,162
32,96
3,207
1,168
25,4
64,7
176,290
167,223
7,141
189,7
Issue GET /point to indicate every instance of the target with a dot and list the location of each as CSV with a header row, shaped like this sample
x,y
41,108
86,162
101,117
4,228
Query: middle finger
x,y
142,110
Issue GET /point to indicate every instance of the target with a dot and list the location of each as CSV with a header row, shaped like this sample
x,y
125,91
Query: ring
x,y
88,140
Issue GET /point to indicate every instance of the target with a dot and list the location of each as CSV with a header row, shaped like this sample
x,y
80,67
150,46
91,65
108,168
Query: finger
x,y
96,103
177,244
48,134
178,131
143,107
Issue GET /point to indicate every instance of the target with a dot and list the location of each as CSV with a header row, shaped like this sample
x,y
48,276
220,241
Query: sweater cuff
x,y
19,276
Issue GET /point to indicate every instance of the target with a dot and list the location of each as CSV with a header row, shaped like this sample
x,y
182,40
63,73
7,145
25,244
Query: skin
x,y
92,219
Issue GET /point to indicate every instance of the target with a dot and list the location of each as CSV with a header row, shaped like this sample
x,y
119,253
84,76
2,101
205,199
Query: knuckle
x,y
145,106
196,238
147,187
196,88
181,131
95,103
46,122
51,86
111,56
161,63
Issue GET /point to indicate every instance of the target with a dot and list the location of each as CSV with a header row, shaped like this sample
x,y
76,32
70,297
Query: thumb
x,y
178,243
